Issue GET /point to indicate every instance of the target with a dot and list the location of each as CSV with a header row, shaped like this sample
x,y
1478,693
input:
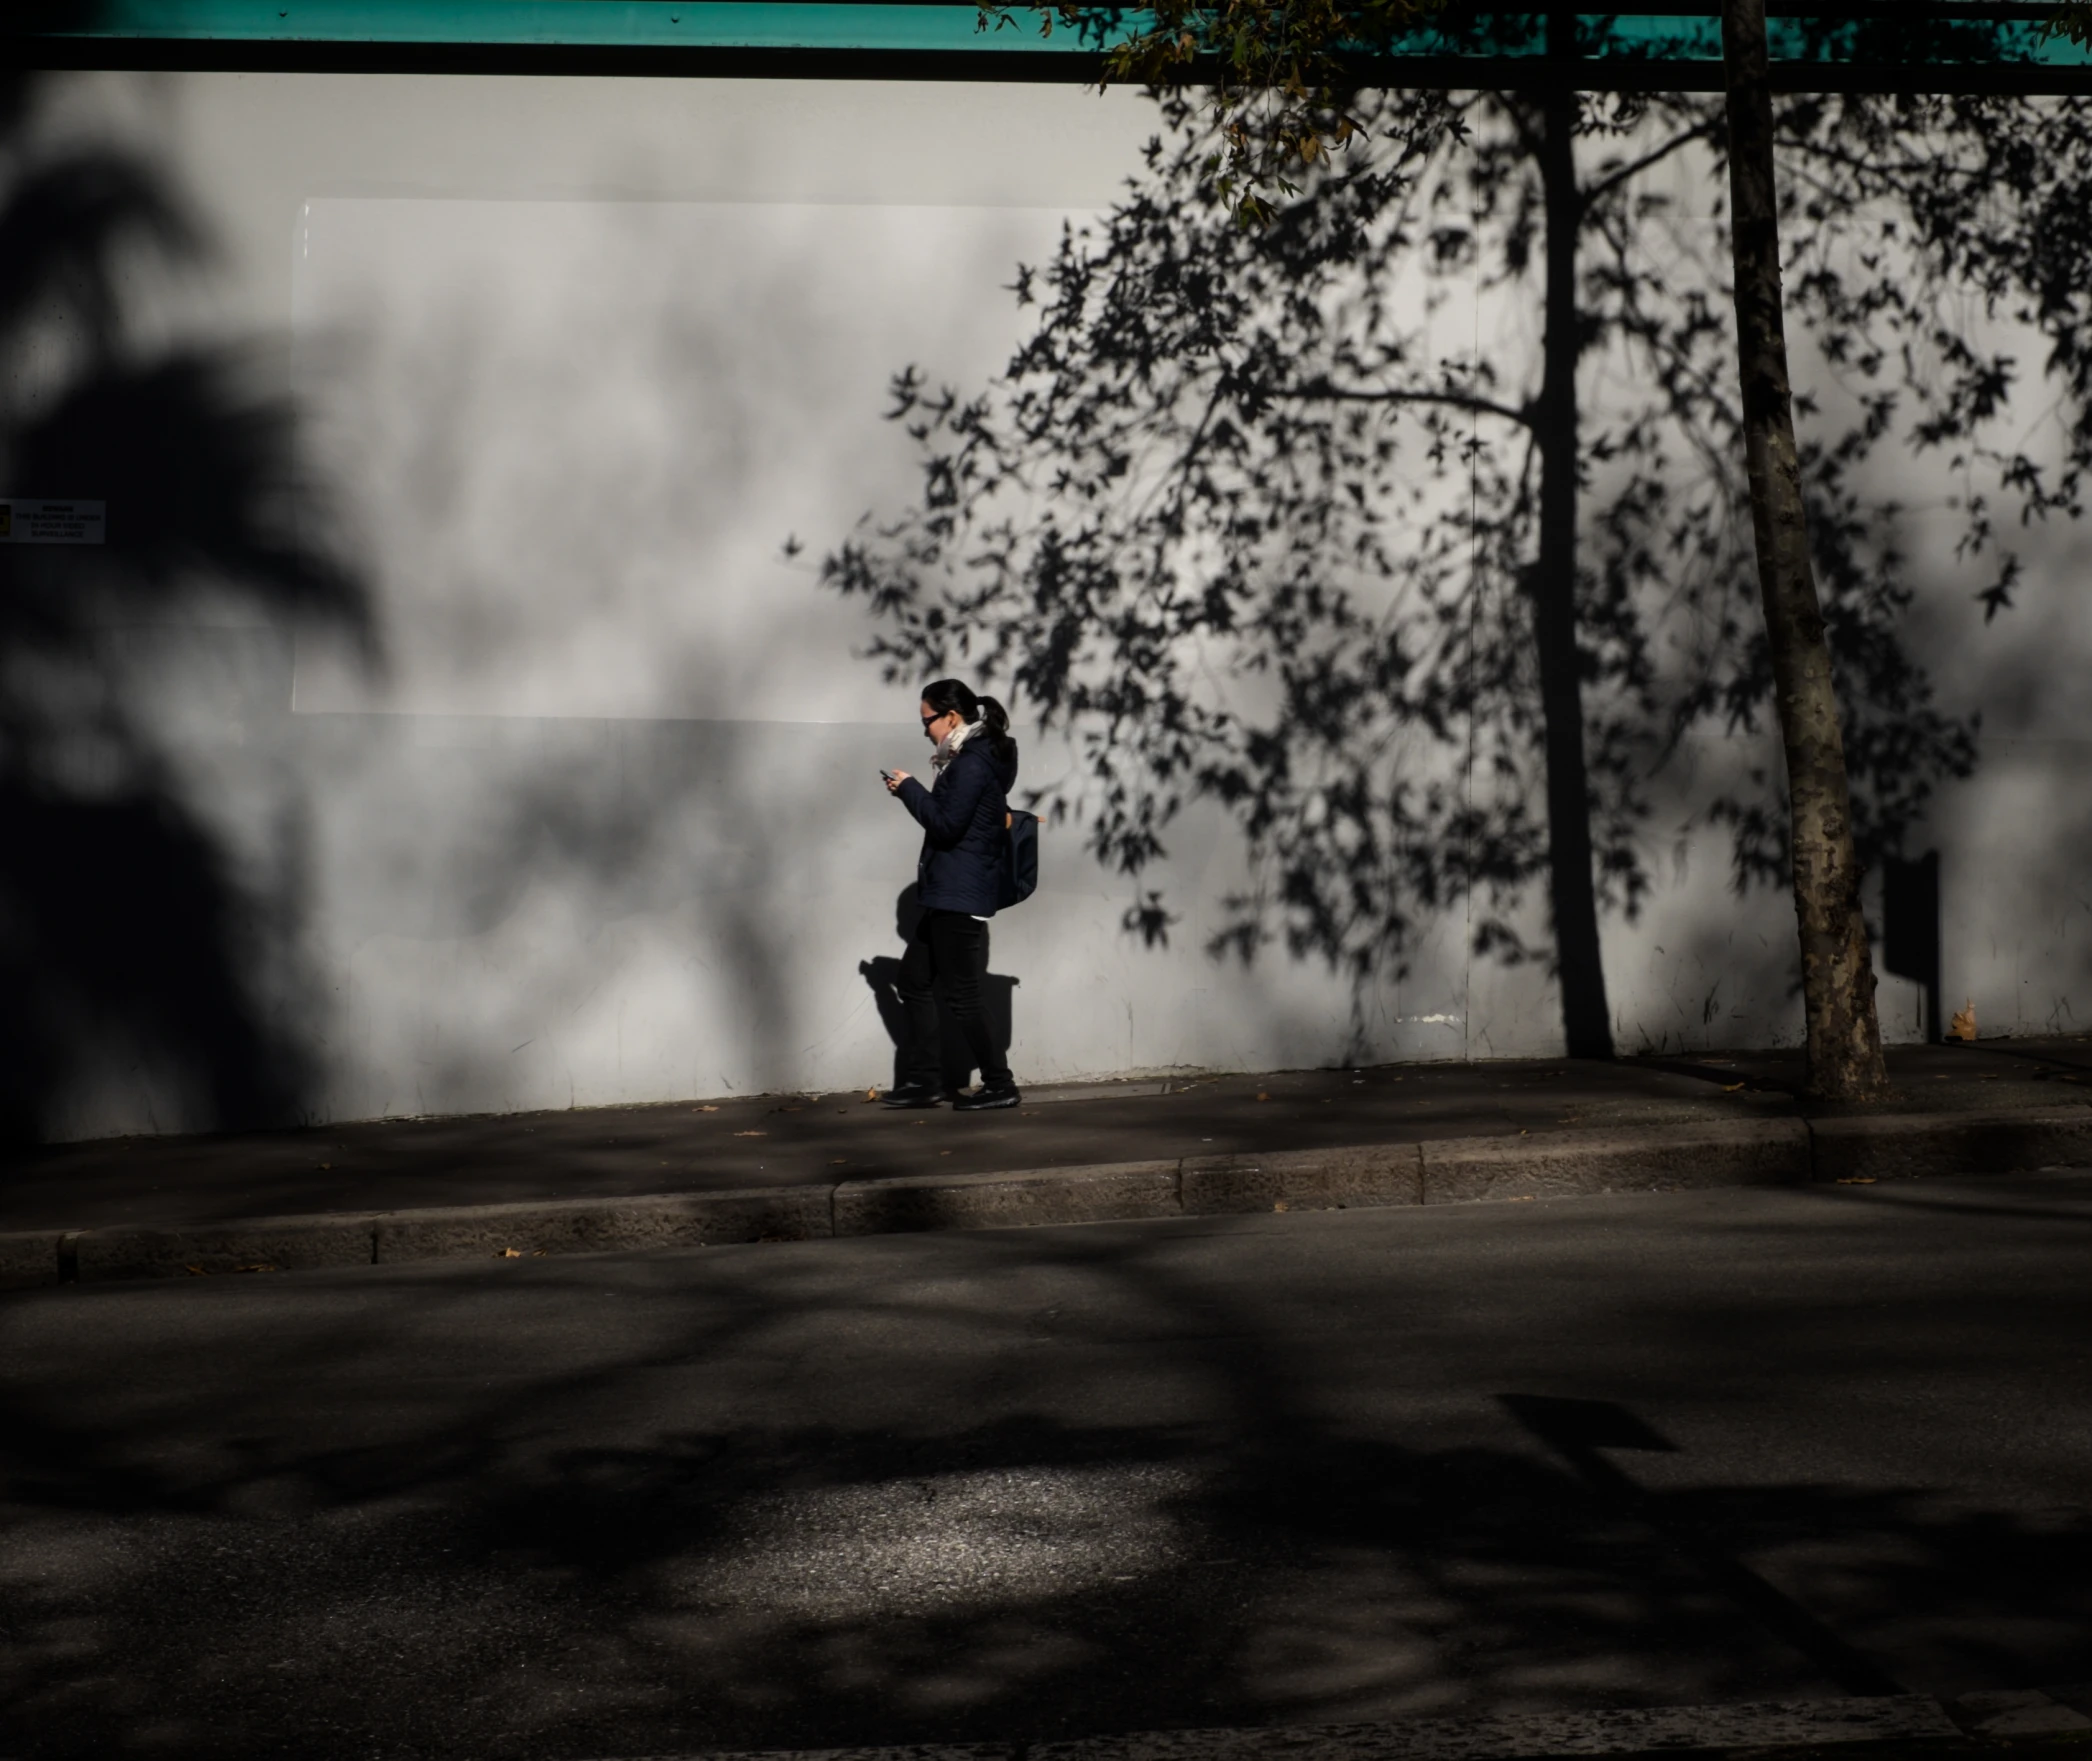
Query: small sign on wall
x,y
24,521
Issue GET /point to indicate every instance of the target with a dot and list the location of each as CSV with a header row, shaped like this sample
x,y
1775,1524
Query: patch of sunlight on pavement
x,y
941,1544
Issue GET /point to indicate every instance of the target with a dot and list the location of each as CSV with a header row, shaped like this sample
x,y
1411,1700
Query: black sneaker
x,y
912,1094
984,1098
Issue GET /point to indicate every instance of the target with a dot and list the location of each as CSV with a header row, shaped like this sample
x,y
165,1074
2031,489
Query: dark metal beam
x,y
1909,45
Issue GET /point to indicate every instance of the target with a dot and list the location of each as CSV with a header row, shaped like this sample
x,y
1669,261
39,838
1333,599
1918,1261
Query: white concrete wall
x,y
606,826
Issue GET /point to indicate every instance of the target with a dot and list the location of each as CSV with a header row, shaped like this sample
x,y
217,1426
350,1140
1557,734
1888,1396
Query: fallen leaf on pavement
x,y
1729,1088
510,1253
1856,1180
751,1134
1278,1204
707,1109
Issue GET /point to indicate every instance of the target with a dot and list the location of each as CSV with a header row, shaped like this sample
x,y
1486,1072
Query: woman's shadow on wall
x,y
883,974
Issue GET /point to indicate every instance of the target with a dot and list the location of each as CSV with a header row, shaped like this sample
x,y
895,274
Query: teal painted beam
x,y
625,24
1829,37
1914,34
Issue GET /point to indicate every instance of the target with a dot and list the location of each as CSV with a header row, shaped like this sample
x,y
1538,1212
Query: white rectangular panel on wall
x,y
573,438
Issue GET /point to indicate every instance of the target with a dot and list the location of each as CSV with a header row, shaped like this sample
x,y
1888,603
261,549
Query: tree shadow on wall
x,y
1411,527
152,862
882,973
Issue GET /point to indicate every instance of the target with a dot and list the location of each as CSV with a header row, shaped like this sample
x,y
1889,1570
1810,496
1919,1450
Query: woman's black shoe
x,y
912,1094
983,1098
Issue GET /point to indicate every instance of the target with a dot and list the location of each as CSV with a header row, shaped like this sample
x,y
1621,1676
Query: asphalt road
x,y
1731,1445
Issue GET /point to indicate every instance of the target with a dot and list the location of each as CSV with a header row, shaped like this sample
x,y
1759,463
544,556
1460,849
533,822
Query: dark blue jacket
x,y
963,832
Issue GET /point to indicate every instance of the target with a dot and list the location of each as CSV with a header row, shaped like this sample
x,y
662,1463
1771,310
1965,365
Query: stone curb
x,y
273,1244
1911,1718
1896,1146
1532,1165
1113,1192
31,1257
1558,1164
693,1219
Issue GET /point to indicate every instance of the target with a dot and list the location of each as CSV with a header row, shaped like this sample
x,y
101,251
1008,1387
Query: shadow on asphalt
x,y
1017,1486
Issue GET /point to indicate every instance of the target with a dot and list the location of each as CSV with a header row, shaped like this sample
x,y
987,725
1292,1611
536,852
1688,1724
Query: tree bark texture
x,y
1586,1015
1837,972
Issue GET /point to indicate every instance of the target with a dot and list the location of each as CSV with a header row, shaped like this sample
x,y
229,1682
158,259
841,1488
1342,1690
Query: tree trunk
x,y
1837,973
1586,1016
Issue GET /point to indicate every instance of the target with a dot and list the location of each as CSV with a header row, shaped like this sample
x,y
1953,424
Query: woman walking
x,y
964,816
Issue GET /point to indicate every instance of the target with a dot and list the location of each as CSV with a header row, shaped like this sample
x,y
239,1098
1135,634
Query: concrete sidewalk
x,y
796,1166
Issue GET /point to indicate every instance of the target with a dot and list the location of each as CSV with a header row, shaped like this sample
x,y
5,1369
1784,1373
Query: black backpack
x,y
1020,857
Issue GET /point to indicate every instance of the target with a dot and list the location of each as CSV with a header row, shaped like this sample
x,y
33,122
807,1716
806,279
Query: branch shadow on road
x,y
993,1487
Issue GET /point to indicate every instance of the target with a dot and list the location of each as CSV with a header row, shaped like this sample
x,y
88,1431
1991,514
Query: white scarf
x,y
948,747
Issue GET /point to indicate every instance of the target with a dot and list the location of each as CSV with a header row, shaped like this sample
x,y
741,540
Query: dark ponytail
x,y
943,695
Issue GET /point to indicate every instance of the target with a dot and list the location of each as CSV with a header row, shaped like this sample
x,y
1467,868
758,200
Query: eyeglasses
x,y
930,721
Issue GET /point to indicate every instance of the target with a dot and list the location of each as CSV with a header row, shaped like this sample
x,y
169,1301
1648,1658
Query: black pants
x,y
948,954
